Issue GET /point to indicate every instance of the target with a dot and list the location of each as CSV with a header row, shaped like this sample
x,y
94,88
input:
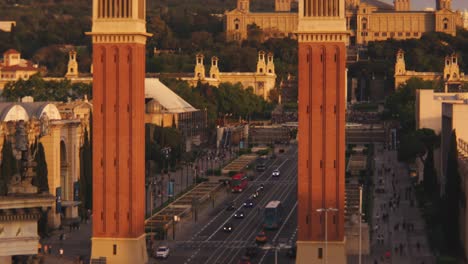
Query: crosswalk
x,y
234,244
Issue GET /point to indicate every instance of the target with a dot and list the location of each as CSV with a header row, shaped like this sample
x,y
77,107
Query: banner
x,y
58,200
170,189
76,191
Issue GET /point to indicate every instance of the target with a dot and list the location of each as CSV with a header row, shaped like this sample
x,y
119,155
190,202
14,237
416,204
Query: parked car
x,y
162,252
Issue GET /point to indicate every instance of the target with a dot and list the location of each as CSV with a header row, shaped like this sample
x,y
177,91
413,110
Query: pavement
x,y
401,237
77,243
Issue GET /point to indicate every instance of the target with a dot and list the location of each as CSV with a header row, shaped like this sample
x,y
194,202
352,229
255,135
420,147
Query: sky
x,y
421,4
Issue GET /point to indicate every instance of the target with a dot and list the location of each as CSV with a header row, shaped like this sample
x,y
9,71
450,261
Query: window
x,y
400,34
114,249
445,21
364,24
408,34
320,253
415,34
364,10
376,34
392,34
384,34
236,23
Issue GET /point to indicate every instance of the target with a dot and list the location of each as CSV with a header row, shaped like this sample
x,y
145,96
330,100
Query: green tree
x,y
452,198
86,173
8,167
41,180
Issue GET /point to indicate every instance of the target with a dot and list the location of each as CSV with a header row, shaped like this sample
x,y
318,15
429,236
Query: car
x,y
228,227
275,173
162,252
261,238
252,251
239,214
230,207
260,188
248,203
245,260
255,195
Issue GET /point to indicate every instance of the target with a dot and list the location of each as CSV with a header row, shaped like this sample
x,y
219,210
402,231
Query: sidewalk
x,y
402,234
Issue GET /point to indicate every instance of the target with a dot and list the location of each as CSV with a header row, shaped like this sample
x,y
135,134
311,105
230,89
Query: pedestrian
x,y
61,252
46,249
50,249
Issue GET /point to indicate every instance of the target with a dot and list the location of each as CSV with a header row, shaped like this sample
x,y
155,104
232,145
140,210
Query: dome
x,y
153,107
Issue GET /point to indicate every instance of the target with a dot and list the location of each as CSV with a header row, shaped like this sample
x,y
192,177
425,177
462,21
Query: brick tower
x,y
322,53
119,39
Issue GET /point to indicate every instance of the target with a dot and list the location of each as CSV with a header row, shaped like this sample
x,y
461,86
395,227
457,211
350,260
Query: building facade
x,y
13,67
366,20
322,37
262,81
119,40
452,76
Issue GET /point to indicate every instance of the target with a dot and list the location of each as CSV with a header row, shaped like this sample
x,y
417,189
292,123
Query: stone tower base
x,y
120,250
308,252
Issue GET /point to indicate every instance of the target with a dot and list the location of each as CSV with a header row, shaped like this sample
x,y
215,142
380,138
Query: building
x,y
7,26
166,109
322,37
463,170
262,81
428,108
366,20
465,19
119,40
451,77
13,67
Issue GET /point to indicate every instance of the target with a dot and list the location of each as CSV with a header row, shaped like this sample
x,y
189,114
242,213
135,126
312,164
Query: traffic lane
x,y
289,199
238,199
259,202
255,224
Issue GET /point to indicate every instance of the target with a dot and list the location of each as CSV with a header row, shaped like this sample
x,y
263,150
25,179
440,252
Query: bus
x,y
273,215
239,182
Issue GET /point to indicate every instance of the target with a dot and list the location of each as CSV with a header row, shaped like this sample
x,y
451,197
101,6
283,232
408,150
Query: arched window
x,y
236,23
364,24
445,22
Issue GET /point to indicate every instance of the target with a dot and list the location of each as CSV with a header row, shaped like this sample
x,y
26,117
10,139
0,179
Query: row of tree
x,y
42,90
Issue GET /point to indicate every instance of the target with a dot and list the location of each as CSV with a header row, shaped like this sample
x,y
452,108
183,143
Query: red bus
x,y
239,182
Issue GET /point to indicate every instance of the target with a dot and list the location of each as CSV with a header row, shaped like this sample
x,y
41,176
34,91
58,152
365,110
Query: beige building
x,y
367,20
13,67
7,25
465,19
166,109
451,75
262,81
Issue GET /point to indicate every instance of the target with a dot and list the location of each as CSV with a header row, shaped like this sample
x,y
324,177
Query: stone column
x,y
51,143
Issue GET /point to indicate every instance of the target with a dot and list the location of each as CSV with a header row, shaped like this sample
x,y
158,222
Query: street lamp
x,y
360,224
174,221
326,210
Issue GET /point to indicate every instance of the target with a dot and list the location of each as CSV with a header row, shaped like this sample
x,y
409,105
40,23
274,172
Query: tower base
x,y
120,250
308,252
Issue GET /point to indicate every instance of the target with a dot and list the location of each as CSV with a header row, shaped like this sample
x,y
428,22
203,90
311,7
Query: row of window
x,y
12,76
391,34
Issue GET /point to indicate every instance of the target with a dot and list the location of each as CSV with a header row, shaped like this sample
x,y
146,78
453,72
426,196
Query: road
x,y
208,243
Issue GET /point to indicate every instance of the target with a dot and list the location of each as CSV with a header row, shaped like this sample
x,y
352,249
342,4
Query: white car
x,y
275,173
162,252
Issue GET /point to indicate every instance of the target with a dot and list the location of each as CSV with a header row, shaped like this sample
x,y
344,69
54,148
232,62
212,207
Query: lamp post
x,y
326,210
174,222
360,224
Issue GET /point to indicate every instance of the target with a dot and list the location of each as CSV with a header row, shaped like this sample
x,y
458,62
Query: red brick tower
x,y
322,53
119,39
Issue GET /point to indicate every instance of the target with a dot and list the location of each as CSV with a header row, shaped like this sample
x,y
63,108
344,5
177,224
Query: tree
x,y
86,173
452,198
8,167
41,181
